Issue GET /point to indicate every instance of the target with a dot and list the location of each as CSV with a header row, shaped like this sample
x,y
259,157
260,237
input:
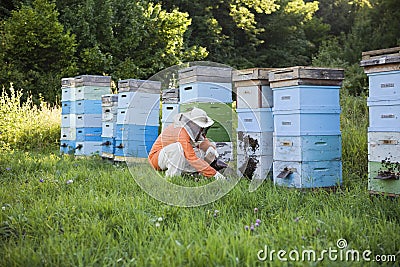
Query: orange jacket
x,y
172,135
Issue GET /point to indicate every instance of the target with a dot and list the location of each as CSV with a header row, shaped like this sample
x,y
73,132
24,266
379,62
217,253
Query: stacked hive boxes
x,y
109,104
137,118
255,122
307,137
210,89
88,92
383,70
170,106
68,116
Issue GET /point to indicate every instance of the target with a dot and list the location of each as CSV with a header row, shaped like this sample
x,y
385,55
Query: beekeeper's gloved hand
x,y
211,154
219,176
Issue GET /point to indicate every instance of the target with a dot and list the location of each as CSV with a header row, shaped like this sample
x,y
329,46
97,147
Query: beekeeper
x,y
183,147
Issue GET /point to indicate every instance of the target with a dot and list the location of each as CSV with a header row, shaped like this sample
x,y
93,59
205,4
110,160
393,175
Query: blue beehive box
x,y
384,85
108,147
67,146
384,115
138,100
88,134
87,148
88,120
307,174
255,120
307,148
88,107
205,92
306,97
307,122
68,107
136,132
133,148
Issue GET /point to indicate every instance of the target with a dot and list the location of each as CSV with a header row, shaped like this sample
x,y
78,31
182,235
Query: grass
x,y
65,211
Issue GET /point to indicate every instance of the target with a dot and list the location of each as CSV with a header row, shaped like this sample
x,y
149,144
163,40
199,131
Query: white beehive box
x,y
88,120
384,86
68,133
254,167
68,120
254,96
109,129
255,143
109,113
255,120
384,146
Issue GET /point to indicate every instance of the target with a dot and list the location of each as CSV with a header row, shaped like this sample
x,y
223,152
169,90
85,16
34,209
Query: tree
x,y
37,52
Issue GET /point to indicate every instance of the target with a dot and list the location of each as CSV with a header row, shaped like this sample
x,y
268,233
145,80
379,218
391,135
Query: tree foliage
x,y
44,40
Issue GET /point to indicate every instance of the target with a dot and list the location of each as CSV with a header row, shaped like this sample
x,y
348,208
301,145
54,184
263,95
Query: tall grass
x,y
26,126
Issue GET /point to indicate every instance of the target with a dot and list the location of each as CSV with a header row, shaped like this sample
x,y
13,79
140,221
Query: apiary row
x,y
383,70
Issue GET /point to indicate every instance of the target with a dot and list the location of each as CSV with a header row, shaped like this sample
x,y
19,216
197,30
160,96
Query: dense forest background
x,y
42,41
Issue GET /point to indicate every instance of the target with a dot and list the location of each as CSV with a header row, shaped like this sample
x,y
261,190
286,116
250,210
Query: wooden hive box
x,y
93,80
302,75
381,60
145,86
208,74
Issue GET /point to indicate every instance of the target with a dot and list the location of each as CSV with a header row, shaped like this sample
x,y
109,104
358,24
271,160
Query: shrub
x,y
26,126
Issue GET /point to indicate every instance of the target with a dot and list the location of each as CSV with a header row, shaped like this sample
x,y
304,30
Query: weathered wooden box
x,y
381,60
88,120
384,177
384,86
306,97
254,167
307,174
251,77
88,107
209,74
255,120
255,143
88,148
384,115
307,122
384,146
109,113
109,100
302,75
144,86
205,92
170,95
93,80
307,148
255,96
88,134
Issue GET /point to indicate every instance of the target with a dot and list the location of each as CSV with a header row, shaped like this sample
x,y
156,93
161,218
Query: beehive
x,y
254,167
67,146
383,70
109,104
255,120
307,137
170,96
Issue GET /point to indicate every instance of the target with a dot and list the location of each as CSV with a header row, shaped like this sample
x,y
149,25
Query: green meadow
x,y
58,210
